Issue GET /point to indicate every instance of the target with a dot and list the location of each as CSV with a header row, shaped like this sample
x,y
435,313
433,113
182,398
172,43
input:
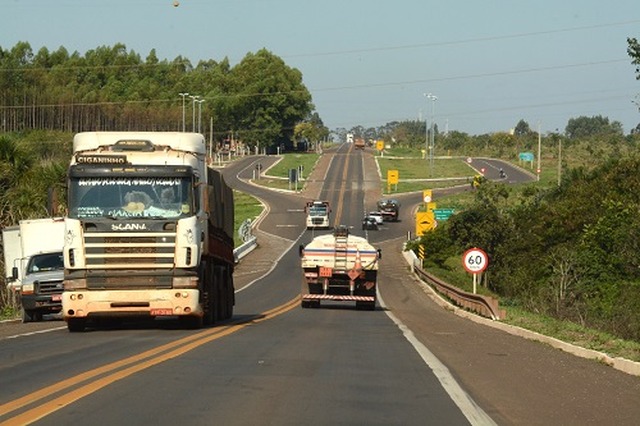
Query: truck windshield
x,y
126,197
318,211
45,262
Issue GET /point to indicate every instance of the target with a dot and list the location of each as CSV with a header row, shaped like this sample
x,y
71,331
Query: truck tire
x,y
27,316
191,322
76,325
368,306
31,316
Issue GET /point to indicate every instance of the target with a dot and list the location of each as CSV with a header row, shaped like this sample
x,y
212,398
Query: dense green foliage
x,y
569,252
260,99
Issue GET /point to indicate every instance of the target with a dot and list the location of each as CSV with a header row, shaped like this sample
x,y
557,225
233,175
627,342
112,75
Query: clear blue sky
x,y
369,62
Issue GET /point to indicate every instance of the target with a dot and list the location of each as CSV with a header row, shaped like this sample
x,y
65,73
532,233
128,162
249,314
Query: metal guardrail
x,y
483,305
246,248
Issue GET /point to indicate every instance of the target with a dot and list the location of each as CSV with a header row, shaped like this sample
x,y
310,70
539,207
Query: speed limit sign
x,y
475,260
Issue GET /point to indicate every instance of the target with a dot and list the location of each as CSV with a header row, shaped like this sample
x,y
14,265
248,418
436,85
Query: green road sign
x,y
443,214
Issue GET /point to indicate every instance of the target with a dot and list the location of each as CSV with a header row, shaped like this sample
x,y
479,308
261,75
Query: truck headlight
x,y
27,288
185,282
73,285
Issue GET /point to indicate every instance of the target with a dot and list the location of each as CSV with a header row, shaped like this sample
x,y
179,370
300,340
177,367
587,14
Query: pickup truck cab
x,y
41,290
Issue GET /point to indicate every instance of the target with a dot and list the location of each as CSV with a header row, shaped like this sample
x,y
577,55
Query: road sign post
x,y
475,261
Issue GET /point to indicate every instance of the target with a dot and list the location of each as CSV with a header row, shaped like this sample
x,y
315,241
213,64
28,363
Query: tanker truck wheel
x,y
76,324
368,306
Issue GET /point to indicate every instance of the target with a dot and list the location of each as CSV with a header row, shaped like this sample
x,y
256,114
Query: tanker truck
x,y
148,232
340,267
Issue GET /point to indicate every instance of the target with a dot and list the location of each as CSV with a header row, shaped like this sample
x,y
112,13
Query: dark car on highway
x,y
369,223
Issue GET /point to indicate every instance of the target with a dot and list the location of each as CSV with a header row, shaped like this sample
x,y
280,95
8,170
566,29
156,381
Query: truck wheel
x,y
368,306
305,304
191,322
28,316
76,325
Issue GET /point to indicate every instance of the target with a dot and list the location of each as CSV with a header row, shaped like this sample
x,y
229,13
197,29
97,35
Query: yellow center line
x,y
343,187
138,364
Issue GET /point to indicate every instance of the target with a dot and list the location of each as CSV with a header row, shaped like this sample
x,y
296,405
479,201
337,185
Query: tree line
x,y
260,100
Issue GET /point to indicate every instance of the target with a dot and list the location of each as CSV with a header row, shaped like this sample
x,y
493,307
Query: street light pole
x,y
194,98
184,95
200,101
433,98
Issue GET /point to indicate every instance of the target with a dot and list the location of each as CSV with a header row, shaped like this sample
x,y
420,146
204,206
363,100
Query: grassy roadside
x,y
277,177
456,275
246,207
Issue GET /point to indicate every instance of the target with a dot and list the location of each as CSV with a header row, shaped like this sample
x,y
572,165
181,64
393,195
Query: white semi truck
x,y
318,214
34,265
149,231
340,267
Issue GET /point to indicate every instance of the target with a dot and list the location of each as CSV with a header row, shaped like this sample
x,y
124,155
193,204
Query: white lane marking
x,y
33,333
465,403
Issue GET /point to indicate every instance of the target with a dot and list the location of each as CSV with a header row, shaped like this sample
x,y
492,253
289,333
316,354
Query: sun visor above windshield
x,y
143,141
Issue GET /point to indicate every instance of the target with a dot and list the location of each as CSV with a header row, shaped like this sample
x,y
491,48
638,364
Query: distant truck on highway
x,y
340,267
318,214
149,231
390,209
359,143
34,265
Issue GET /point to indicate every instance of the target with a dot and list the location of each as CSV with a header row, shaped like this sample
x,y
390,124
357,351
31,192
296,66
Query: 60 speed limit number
x,y
475,260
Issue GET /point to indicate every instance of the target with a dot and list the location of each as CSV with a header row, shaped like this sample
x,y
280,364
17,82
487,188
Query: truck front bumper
x,y
41,303
115,303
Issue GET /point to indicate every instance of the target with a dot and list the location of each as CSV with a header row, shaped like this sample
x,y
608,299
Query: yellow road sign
x,y
393,176
425,221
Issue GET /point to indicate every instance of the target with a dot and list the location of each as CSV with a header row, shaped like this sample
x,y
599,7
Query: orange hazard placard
x,y
325,272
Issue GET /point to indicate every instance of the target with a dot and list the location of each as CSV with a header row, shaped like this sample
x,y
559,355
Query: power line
x,y
463,41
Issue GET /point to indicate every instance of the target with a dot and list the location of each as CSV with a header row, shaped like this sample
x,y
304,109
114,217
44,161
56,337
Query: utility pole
x,y
539,151
433,98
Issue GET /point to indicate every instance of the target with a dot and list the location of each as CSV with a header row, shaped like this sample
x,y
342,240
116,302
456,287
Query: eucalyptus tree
x,y
269,99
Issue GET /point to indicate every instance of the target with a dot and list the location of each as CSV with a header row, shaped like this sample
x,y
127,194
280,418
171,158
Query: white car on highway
x,y
377,216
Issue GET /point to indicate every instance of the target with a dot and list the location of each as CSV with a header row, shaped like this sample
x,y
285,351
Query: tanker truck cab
x,y
138,233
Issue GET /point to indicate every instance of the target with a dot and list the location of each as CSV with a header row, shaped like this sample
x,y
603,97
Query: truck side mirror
x,y
14,273
301,250
379,253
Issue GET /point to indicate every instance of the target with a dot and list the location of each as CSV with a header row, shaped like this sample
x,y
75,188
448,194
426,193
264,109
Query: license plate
x,y
56,297
161,311
325,272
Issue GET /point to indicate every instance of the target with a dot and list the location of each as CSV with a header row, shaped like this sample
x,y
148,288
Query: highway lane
x,y
330,365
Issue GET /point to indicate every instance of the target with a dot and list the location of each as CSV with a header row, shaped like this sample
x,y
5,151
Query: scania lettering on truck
x,y
148,232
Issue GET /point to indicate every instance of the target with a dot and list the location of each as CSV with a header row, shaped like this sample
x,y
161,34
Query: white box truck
x,y
35,266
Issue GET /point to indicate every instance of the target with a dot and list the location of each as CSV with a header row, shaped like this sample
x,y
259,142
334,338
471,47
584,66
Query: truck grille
x,y
48,287
131,250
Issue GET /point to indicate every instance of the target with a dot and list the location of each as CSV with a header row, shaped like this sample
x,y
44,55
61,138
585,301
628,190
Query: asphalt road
x,y
408,362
